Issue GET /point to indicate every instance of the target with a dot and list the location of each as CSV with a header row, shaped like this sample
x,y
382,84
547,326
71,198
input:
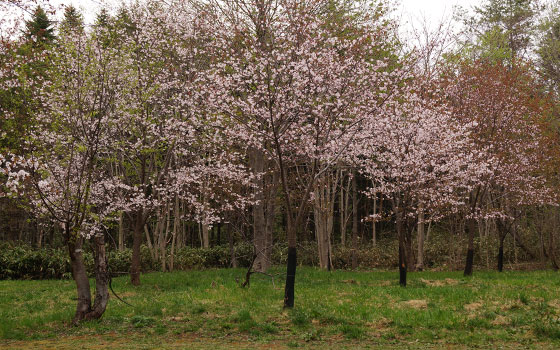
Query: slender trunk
x,y
153,252
290,278
420,257
164,229
470,252
374,223
101,279
552,241
501,255
75,244
121,232
136,242
205,236
232,249
259,213
323,212
502,233
40,238
176,228
354,221
402,253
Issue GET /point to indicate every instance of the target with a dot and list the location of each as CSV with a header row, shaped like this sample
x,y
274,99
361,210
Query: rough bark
x,y
101,279
75,244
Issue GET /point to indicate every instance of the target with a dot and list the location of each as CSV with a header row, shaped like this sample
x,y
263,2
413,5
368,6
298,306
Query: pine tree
x,y
39,29
73,20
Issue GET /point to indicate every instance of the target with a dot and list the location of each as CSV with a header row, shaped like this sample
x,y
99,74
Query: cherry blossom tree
x,y
60,170
501,101
167,146
421,161
300,95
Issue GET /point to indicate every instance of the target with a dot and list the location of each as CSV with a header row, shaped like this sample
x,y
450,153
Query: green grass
x,y
340,309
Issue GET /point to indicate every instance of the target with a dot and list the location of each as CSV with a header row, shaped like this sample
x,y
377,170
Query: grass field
x,y
338,310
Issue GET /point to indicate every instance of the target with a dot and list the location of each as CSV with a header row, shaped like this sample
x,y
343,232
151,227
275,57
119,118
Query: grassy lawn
x,y
340,309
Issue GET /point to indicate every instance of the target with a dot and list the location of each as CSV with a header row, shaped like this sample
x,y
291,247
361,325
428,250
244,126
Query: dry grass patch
x,y
440,283
416,304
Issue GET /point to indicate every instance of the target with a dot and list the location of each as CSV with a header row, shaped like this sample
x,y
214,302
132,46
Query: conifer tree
x,y
39,29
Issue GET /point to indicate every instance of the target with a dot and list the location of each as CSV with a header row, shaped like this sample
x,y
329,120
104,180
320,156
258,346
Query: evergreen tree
x,y
73,20
39,29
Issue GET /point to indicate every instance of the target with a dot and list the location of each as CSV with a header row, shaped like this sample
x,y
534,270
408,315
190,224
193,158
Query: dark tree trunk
x,y
470,252
136,242
402,266
501,257
75,244
290,278
502,233
101,279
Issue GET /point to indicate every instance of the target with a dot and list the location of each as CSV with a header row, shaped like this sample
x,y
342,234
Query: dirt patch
x,y
380,324
501,321
416,304
472,306
440,283
555,304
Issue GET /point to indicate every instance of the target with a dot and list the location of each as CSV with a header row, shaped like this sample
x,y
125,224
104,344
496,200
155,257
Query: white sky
x,y
411,12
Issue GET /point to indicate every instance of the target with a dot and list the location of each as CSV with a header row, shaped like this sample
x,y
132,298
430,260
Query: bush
x,y
25,262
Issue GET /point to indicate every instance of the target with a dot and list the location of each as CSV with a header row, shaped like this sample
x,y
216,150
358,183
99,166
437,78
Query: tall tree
x,y
502,30
304,95
39,29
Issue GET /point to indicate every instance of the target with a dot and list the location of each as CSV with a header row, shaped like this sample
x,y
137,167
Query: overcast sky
x,y
409,11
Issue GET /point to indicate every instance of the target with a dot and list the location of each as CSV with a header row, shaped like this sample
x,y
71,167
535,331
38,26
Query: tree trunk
x,y
205,236
502,233
354,221
101,279
232,249
501,256
290,277
402,252
257,161
75,244
470,252
421,236
325,191
136,242
374,223
552,241
121,232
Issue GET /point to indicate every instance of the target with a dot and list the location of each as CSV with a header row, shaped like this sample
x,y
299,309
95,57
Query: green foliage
x,y
39,29
25,262
73,20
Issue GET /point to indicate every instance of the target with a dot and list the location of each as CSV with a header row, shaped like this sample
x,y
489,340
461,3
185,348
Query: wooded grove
x,y
268,132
